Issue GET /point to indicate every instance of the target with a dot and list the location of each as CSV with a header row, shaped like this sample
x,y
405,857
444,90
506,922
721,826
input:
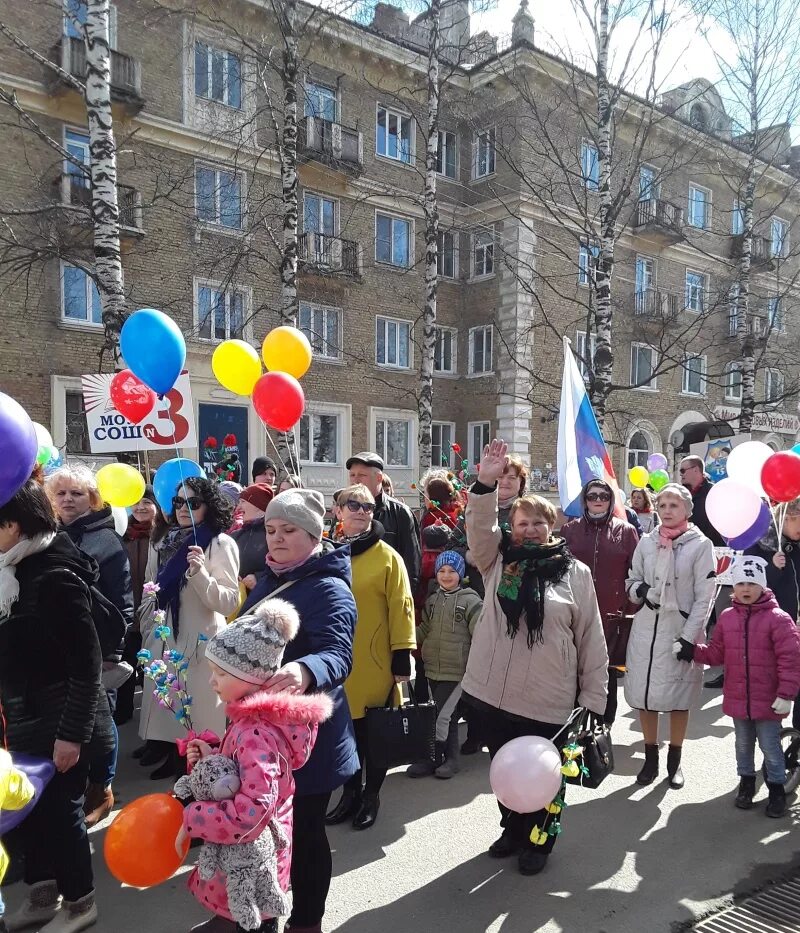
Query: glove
x,y
782,707
642,590
683,650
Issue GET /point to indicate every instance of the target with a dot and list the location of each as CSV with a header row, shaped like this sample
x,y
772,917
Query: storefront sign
x,y
169,424
771,421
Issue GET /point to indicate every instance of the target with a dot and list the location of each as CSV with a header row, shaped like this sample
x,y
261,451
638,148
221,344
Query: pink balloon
x,y
526,773
732,507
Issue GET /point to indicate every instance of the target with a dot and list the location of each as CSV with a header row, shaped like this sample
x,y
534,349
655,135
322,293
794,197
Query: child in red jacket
x,y
759,646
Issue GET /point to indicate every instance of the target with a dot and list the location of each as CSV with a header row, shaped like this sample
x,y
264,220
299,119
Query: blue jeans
x,y
102,768
768,732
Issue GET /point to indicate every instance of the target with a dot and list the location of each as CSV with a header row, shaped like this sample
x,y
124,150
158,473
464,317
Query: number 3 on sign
x,y
168,410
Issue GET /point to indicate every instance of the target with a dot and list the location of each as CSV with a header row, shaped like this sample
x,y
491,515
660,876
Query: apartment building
x,y
200,196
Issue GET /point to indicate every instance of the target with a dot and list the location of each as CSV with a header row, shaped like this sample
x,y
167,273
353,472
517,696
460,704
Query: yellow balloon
x,y
236,366
287,350
120,484
638,476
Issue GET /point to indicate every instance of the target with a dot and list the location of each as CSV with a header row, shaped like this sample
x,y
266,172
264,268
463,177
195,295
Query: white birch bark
x,y
288,159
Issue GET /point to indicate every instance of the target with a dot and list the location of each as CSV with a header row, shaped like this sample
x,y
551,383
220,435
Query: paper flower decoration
x,y
229,440
456,448
570,769
150,589
210,442
538,837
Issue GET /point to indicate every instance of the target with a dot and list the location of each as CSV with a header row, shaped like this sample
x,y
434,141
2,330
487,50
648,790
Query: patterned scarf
x,y
173,559
527,570
667,535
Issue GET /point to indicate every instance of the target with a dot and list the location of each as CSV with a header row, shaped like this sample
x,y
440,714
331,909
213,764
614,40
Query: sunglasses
x,y
686,469
598,497
368,507
194,502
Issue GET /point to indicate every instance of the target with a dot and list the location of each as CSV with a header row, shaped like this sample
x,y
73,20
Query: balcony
x,y
760,251
329,255
656,305
660,219
332,143
76,191
126,73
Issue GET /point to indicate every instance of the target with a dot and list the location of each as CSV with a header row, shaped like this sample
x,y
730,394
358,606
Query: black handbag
x,y
400,735
596,761
618,632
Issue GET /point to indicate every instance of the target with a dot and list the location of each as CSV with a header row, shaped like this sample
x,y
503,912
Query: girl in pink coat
x,y
271,733
759,646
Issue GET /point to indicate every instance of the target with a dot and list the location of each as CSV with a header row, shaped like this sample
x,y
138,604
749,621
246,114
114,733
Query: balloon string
x,y
183,479
277,452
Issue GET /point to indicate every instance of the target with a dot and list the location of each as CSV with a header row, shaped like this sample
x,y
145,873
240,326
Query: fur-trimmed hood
x,y
282,709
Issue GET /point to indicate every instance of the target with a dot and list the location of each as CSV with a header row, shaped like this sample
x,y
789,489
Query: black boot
x,y
674,772
367,812
155,752
171,768
346,808
776,805
531,860
745,793
649,772
506,845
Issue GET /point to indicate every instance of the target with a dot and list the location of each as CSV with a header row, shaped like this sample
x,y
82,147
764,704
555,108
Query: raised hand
x,y
493,462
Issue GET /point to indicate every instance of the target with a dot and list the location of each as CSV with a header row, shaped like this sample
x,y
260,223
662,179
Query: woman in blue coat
x,y
313,575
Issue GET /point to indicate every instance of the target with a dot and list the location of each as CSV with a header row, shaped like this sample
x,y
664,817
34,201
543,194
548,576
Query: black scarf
x,y
527,569
174,562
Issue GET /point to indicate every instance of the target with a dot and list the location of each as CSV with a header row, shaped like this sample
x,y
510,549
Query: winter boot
x,y
154,752
507,844
674,772
215,925
776,805
368,811
745,793
450,765
531,860
649,772
73,916
422,768
289,928
42,904
98,804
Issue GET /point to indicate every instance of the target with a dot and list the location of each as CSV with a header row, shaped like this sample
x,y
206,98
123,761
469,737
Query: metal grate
x,y
776,910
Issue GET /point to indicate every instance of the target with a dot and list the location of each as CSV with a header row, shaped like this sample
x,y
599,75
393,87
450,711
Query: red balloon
x,y
131,397
780,476
279,401
140,844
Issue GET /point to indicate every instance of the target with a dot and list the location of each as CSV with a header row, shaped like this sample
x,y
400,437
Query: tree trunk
x,y
431,209
103,159
288,156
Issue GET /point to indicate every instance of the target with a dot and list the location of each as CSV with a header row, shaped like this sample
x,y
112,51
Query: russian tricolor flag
x,y
582,453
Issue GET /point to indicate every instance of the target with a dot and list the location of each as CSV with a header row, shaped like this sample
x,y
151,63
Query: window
x,y
322,326
585,354
393,441
648,187
77,145
478,438
219,313
75,13
392,343
643,364
638,450
699,207
695,291
779,238
587,263
447,154
733,382
219,197
77,430
447,255
318,438
733,310
217,75
444,353
319,214
698,117
484,155
80,299
442,434
773,385
320,101
775,320
480,349
393,139
483,253
737,218
590,166
694,375
645,284
393,240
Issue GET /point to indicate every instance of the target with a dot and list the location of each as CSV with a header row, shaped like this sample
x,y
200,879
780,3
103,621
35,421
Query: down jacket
x,y
759,645
270,736
675,599
448,623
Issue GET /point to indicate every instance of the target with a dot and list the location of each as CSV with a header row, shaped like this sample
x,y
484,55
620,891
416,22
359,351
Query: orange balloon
x,y
140,843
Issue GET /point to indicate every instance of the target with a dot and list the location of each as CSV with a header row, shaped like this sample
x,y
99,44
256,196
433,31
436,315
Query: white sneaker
x,y
41,904
73,917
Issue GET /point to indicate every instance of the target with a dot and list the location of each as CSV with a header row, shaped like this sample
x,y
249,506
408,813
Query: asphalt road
x,y
630,859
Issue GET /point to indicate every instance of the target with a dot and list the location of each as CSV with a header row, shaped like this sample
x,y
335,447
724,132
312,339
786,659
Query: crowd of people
x,y
293,621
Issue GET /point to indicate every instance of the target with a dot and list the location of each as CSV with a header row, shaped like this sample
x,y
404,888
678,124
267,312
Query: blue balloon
x,y
154,348
19,447
796,449
755,532
169,477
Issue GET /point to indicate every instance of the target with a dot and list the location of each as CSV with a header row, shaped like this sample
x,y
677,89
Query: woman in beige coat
x,y
198,568
539,643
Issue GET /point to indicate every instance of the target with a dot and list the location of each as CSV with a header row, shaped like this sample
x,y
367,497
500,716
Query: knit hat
x,y
258,494
302,507
262,464
437,536
251,647
149,494
746,569
451,559
231,491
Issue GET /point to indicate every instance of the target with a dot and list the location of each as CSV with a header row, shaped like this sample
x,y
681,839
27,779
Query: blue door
x,y
219,421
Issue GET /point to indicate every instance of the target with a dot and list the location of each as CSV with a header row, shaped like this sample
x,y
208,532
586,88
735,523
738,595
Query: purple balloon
x,y
19,445
755,532
656,462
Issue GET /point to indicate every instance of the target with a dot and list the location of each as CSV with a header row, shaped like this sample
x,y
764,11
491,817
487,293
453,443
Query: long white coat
x,y
682,591
208,598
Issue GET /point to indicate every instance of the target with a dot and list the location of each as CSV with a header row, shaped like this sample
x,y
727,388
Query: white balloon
x,y
525,774
120,519
43,437
732,507
745,462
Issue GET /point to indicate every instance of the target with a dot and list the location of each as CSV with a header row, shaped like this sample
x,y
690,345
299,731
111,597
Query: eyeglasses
x,y
683,470
194,502
598,497
368,507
